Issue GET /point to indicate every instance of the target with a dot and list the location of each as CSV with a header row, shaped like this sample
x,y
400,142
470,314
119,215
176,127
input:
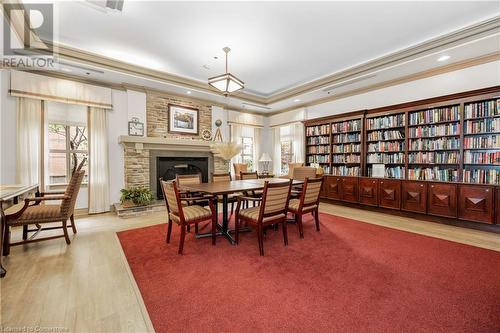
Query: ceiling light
x,y
226,83
188,92
443,58
296,100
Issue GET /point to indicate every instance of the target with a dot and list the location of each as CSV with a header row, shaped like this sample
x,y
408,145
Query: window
x,y
247,151
68,146
286,155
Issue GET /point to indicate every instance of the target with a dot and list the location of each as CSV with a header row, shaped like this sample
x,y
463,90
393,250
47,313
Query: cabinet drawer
x,y
368,191
475,203
349,190
333,188
442,199
389,192
414,196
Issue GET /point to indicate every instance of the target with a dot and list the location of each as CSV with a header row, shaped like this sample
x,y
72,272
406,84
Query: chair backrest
x,y
301,173
221,177
239,167
291,167
275,197
188,179
311,191
171,196
249,175
71,193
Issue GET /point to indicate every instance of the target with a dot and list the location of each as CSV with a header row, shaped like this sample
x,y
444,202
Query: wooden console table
x,y
9,196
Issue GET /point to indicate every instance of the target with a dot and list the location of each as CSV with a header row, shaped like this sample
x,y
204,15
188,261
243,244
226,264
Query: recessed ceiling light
x,y
189,92
296,100
66,69
443,58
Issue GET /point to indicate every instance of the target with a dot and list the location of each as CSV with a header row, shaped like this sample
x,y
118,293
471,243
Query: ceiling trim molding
x,y
412,77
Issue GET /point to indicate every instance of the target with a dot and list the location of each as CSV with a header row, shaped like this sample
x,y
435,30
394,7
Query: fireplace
x,y
168,167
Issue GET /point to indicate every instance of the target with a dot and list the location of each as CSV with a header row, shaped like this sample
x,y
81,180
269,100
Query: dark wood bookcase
x,y
440,156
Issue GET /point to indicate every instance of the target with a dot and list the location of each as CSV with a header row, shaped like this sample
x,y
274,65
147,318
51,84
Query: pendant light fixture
x,y
226,83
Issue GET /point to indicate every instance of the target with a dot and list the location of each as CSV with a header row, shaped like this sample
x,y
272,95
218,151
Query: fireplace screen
x,y
169,167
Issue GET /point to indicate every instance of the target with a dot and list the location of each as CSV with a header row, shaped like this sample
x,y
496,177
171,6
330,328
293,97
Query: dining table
x,y
223,189
9,196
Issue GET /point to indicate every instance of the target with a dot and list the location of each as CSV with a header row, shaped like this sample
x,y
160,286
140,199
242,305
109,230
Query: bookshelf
x,y
481,164
318,146
385,144
346,147
434,144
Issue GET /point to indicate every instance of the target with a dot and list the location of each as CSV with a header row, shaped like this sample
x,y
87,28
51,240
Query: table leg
x,y
2,230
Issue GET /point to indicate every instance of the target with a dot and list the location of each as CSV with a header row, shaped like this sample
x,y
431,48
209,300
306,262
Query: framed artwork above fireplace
x,y
183,120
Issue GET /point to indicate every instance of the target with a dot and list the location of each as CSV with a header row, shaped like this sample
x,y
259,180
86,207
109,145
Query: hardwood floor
x,y
88,287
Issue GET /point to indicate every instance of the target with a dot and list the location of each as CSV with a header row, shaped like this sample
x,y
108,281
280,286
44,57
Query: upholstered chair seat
x,y
294,204
192,213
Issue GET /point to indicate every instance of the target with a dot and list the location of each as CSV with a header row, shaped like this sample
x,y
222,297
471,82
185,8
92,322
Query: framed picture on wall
x,y
183,120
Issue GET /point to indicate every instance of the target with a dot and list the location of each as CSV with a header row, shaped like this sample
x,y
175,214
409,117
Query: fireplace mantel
x,y
141,143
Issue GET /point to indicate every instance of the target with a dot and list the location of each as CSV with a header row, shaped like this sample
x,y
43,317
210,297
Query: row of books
x,y
326,168
434,144
391,172
318,150
318,159
347,126
385,135
482,176
386,146
386,158
347,148
435,173
434,130
346,137
385,122
482,126
482,109
476,157
434,157
318,130
490,141
318,140
435,115
346,159
346,171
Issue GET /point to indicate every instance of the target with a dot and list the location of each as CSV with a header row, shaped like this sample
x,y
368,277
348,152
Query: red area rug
x,y
350,277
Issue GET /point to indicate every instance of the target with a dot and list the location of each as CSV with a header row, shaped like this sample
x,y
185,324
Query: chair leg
x,y
73,226
261,240
232,208
183,235
298,220
196,228
65,231
188,228
237,229
169,231
6,240
316,218
285,232
25,232
214,228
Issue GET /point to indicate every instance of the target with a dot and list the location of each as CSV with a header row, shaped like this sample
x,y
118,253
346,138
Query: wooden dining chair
x,y
186,215
253,193
272,210
33,213
239,167
226,177
308,202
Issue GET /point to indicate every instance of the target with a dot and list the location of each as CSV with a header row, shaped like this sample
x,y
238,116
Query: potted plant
x,y
135,196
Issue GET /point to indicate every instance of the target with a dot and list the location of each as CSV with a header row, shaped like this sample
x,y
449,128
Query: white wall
x,y
136,106
476,77
7,131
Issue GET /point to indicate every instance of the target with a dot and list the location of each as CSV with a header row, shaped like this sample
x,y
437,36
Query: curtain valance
x,y
24,84
246,119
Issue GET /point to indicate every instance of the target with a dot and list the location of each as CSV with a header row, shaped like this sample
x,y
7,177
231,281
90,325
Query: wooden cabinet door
x,y
349,189
442,199
414,196
368,191
389,193
333,188
475,203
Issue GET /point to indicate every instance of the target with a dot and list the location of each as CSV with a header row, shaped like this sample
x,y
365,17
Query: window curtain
x,y
277,151
29,140
98,161
236,138
297,133
256,148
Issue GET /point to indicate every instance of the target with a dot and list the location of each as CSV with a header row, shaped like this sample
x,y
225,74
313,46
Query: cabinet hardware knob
x,y
487,190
